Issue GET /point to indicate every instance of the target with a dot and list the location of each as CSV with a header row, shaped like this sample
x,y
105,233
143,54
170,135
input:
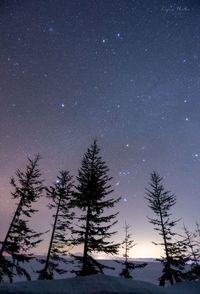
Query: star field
x,y
124,72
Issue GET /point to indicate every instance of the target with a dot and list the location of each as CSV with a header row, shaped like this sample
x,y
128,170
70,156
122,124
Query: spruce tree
x,y
60,195
20,238
95,224
193,254
161,201
128,266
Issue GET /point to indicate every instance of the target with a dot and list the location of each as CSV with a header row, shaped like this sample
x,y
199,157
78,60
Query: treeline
x,y
92,225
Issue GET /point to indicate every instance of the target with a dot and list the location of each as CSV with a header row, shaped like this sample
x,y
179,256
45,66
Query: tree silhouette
x,y
161,201
193,254
60,194
20,239
128,266
91,196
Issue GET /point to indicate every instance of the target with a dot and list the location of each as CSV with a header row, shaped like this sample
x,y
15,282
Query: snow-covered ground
x,y
143,282
97,284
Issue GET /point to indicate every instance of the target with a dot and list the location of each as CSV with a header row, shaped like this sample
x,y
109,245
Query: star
x,y
124,173
71,77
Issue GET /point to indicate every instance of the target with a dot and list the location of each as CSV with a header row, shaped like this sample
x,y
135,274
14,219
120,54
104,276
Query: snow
x,y
185,288
83,285
149,273
144,281
98,284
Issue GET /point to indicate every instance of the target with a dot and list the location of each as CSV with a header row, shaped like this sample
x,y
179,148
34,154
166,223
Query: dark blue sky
x,y
124,72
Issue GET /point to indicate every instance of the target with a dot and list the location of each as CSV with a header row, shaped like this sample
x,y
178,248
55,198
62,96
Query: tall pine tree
x,y
91,196
20,238
60,195
161,201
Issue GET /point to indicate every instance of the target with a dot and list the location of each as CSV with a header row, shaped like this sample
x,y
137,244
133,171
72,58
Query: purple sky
x,y
124,72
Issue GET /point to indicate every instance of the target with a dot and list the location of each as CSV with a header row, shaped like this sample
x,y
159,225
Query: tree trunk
x,y
10,227
84,270
166,248
44,274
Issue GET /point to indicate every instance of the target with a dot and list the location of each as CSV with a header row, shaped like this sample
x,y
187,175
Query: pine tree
x,y
20,239
193,254
128,266
60,194
161,201
91,196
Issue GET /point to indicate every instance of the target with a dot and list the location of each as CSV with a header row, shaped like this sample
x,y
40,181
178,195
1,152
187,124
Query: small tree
x,y
193,254
60,194
161,201
20,239
127,245
91,196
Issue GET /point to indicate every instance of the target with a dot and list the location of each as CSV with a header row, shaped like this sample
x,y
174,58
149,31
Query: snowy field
x,y
144,282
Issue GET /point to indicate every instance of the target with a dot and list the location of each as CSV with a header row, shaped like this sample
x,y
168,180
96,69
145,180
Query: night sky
x,y
125,72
